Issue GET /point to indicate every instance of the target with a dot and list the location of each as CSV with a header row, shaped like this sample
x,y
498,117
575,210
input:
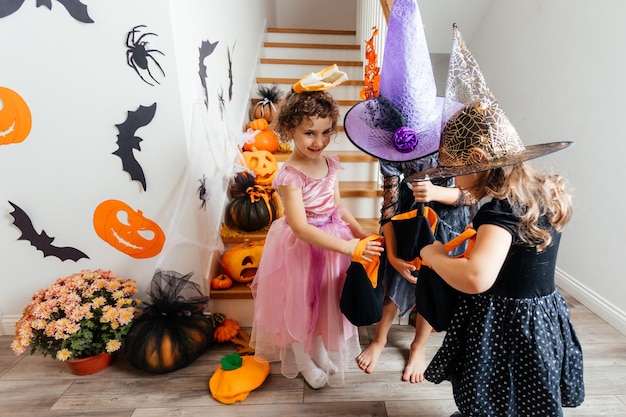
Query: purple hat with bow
x,y
404,122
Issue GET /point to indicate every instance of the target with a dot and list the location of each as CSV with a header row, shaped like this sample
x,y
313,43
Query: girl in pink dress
x,y
298,284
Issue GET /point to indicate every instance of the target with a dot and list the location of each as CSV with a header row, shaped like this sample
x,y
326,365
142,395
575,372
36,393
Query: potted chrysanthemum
x,y
84,315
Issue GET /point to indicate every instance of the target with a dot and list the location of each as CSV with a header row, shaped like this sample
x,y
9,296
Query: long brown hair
x,y
532,194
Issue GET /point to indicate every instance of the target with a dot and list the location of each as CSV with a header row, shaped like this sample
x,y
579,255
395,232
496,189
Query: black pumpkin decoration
x,y
172,331
252,206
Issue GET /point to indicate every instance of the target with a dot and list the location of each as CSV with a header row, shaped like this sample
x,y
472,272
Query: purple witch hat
x,y
404,122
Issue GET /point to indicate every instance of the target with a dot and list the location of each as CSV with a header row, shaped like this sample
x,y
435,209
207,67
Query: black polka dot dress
x,y
512,350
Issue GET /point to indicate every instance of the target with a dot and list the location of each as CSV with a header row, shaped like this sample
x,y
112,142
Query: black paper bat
x,y
127,141
75,8
41,241
230,75
206,48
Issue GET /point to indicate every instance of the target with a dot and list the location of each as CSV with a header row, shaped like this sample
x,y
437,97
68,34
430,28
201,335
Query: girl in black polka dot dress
x,y
510,349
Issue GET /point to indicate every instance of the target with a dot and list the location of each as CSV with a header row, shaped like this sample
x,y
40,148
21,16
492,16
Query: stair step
x,y
360,189
233,235
299,45
344,156
312,31
317,62
292,81
349,103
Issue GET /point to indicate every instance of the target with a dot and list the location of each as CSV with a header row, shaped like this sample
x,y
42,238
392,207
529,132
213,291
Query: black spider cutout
x,y
203,194
138,56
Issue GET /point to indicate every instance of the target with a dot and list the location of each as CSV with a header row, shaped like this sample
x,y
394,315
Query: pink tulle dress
x,y
297,286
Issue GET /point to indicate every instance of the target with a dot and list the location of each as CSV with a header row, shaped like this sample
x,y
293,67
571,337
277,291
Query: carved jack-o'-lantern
x,y
15,117
241,261
263,164
128,230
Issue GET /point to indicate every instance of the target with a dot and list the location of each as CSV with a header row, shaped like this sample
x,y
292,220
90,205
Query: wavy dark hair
x,y
301,106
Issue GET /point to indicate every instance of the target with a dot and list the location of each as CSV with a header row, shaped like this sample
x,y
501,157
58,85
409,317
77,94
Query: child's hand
x,y
424,191
434,248
372,248
403,267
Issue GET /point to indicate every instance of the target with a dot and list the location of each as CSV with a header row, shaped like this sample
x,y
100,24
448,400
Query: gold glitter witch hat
x,y
479,136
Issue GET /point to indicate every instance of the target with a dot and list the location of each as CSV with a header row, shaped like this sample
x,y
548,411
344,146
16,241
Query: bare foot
x,y
369,357
415,367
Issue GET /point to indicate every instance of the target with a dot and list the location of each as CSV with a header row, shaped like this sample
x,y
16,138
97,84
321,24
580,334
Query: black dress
x,y
512,351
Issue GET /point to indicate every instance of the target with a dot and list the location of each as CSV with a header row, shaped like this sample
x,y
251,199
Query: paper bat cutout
x,y
230,75
41,241
75,8
206,48
127,141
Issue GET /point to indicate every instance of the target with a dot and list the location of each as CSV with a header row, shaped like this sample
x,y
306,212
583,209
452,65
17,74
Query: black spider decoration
x,y
221,101
138,56
203,194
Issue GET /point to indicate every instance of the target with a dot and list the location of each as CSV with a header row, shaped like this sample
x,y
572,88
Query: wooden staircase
x,y
287,55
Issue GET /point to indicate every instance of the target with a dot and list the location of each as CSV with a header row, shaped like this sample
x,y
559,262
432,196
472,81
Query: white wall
x,y
75,79
318,14
557,68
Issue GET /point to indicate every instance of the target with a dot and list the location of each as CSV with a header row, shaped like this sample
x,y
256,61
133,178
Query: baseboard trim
x,y
7,324
603,308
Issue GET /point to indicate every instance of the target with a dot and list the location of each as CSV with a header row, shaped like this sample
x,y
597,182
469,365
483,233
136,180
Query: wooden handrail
x,y
386,6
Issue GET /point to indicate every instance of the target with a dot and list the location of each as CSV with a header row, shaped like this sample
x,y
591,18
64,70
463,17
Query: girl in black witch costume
x,y
510,348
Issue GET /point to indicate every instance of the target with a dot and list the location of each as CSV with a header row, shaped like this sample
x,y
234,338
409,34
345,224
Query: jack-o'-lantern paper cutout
x,y
15,117
75,8
127,141
128,230
41,241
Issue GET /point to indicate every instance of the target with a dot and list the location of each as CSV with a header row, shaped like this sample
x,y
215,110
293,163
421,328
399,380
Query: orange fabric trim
x,y
371,267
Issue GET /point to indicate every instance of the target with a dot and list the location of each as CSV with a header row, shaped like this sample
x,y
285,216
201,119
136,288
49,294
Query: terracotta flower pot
x,y
90,365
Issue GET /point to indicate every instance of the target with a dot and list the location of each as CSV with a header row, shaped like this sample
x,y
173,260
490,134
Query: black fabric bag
x,y
435,300
414,230
361,300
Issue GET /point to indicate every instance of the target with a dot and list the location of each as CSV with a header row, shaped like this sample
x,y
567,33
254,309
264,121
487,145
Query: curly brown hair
x,y
532,194
301,106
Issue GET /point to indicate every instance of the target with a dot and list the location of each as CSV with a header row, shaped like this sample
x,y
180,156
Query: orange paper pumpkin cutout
x,y
128,230
15,117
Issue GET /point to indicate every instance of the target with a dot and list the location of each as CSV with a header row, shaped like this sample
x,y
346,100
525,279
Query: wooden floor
x,y
34,386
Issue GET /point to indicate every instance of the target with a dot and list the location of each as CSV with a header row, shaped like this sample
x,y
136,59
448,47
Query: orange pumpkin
x,y
221,282
15,117
226,331
265,140
266,107
241,261
258,124
263,163
128,230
